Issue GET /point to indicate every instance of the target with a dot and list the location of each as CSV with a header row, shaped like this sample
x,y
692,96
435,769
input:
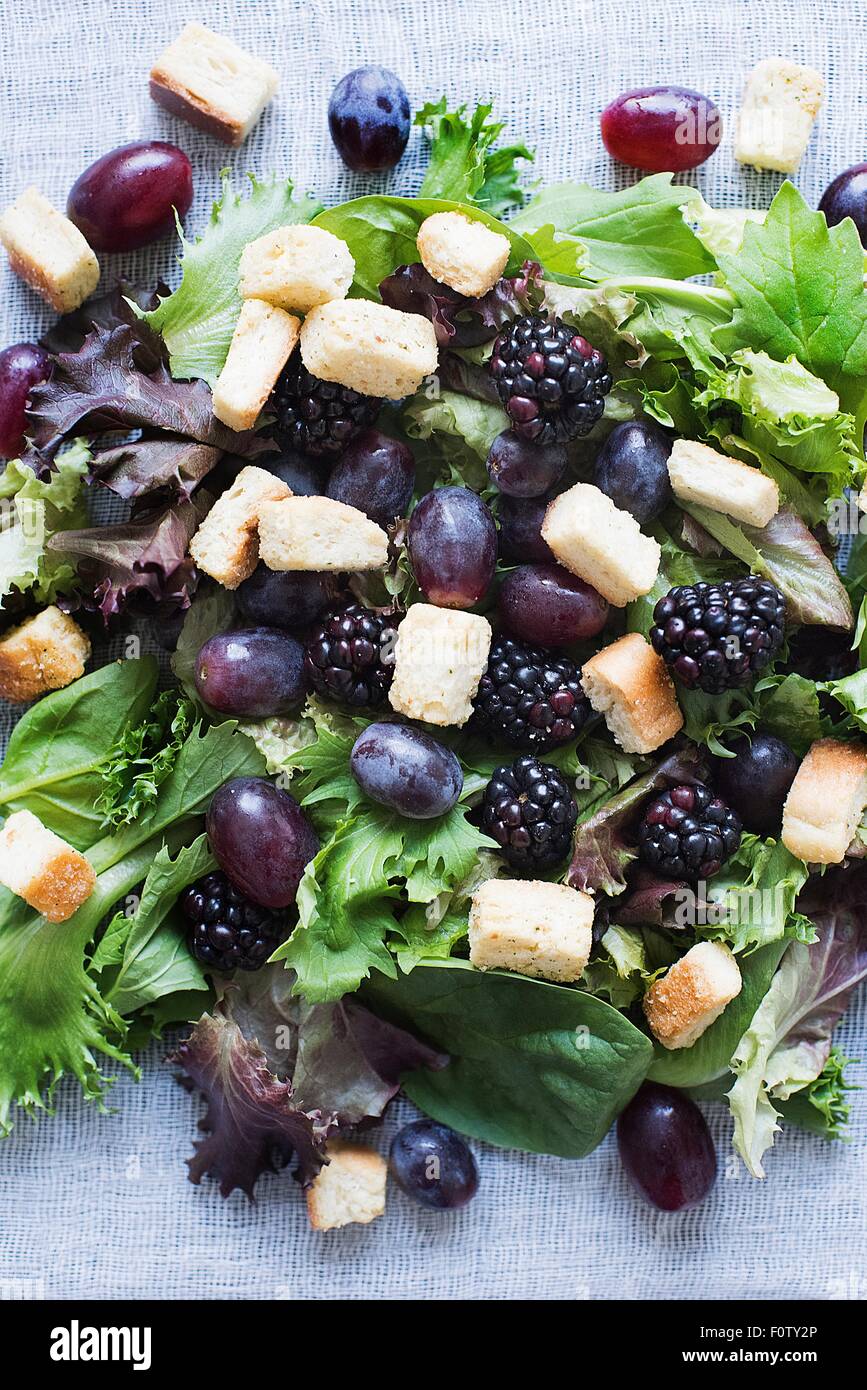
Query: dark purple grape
x,y
165,629
661,128
548,606
252,673
129,197
284,598
406,770
521,468
433,1165
846,196
297,472
666,1148
369,116
453,547
521,539
375,474
261,839
756,781
632,468
22,366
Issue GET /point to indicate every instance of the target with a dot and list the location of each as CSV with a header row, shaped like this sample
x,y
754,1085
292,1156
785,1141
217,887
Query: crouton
x,y
699,474
51,876
602,544
534,928
691,995
368,347
317,533
226,545
462,252
349,1190
826,802
297,268
45,652
440,657
48,252
262,342
628,683
213,84
780,103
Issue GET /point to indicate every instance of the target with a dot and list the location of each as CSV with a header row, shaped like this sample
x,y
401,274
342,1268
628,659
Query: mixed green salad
x,y
745,330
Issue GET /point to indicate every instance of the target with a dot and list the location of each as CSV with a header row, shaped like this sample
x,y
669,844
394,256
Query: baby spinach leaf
x,y
533,1065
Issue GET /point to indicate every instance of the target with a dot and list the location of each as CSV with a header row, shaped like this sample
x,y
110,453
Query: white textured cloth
x,y
98,1206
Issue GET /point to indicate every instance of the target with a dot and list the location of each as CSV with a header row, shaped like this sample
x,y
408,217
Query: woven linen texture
x,y
98,1206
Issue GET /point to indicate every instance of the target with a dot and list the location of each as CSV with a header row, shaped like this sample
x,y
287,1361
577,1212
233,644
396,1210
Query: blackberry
x,y
227,931
350,656
529,698
318,417
688,832
717,637
529,810
551,381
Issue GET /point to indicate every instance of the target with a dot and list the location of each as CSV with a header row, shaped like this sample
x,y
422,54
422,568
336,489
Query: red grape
x,y
253,673
453,547
128,197
846,196
549,607
261,839
666,1148
632,468
660,128
368,116
406,770
756,781
284,598
521,537
521,468
375,474
433,1165
22,366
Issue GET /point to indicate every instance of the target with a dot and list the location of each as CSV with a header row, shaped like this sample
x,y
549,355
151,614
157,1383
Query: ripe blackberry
x,y
227,931
551,381
350,656
529,698
688,832
528,809
318,417
716,637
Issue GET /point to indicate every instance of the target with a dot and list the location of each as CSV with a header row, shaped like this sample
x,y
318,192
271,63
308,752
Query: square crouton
x,y
44,870
533,928
692,994
368,347
296,268
45,652
317,533
48,252
349,1190
226,545
440,657
826,802
699,474
462,253
213,84
628,683
602,544
780,103
261,345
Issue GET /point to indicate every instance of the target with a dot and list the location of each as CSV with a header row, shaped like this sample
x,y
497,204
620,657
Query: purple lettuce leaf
x,y
141,563
113,383
251,1123
604,845
280,1074
458,320
645,902
110,309
150,465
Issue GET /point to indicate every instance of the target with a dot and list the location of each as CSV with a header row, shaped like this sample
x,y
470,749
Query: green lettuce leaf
x,y
464,164
142,758
755,894
821,1106
198,319
32,512
534,1066
476,423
